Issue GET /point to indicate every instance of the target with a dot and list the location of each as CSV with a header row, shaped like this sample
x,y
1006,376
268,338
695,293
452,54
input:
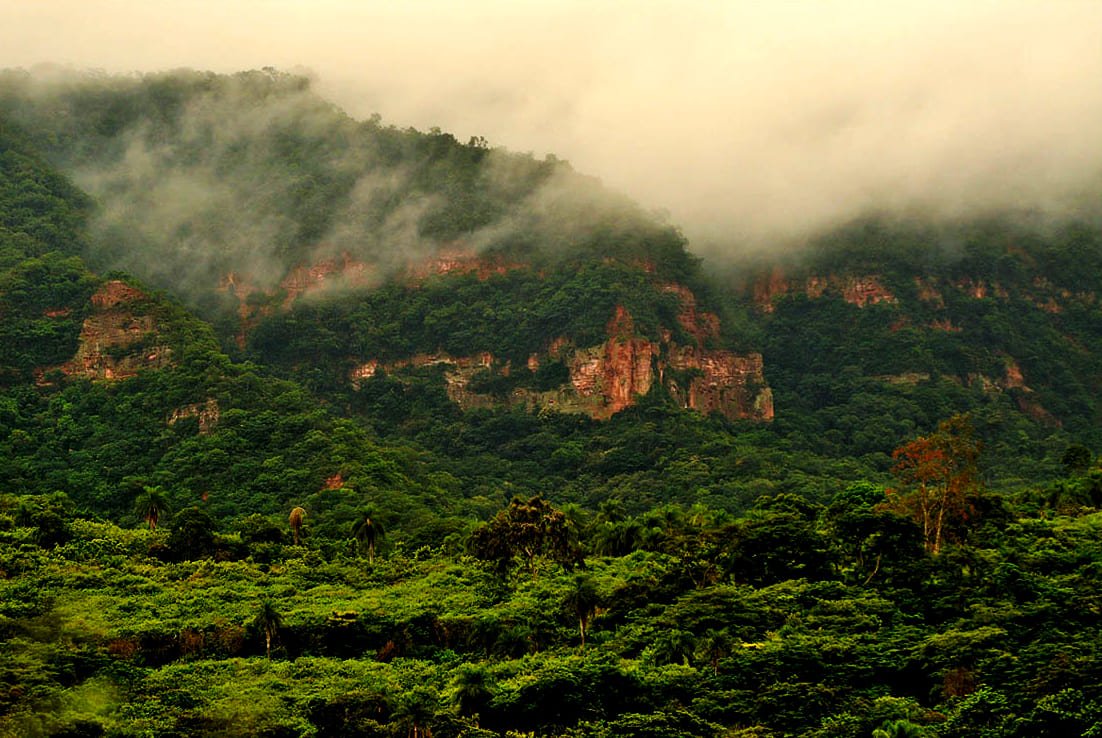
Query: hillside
x,y
996,316
312,426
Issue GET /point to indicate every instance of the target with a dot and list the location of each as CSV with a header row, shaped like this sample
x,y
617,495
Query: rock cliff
x,y
604,379
859,290
119,337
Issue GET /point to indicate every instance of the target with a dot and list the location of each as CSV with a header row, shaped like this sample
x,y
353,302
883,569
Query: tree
x,y
582,601
414,711
150,505
941,469
529,530
472,690
268,621
673,646
715,645
1076,459
367,533
192,534
899,729
297,516
259,529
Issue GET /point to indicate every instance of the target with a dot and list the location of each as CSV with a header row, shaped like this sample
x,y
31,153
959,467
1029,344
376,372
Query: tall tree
x,y
268,621
367,533
192,534
582,601
150,505
472,690
526,529
297,516
941,471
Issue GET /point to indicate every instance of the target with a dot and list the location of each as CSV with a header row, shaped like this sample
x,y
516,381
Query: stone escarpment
x,y
333,275
119,337
603,379
859,290
206,413
326,275
869,289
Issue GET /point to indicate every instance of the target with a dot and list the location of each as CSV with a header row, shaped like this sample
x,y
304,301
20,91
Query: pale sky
x,y
744,120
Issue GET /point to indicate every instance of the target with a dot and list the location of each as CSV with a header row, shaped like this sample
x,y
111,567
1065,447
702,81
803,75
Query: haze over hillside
x,y
745,121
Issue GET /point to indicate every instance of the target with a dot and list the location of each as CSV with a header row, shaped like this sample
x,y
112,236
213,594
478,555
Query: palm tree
x,y
715,645
269,621
414,711
367,533
297,516
899,729
582,601
472,690
150,505
674,646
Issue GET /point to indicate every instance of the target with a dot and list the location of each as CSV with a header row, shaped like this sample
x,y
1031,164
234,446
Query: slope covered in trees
x,y
214,520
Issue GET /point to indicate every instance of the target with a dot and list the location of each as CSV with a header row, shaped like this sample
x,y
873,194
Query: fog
x,y
747,122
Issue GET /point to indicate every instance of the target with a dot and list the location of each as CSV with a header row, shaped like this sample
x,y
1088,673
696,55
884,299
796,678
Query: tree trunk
x,y
937,528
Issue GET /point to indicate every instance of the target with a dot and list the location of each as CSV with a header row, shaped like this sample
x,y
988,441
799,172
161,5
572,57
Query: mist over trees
x,y
207,536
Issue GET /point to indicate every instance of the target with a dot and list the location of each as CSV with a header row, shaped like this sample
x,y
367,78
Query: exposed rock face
x,y
857,290
723,382
946,325
330,274
119,338
702,326
460,260
208,413
343,273
928,293
327,274
611,376
1013,382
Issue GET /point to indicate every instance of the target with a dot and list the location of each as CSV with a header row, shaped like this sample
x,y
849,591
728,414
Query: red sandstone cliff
x,y
119,338
859,290
609,377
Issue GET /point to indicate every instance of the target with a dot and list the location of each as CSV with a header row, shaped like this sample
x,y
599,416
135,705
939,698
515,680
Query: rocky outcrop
x,y
341,272
702,326
859,290
208,414
460,260
722,382
604,379
326,275
119,337
1013,382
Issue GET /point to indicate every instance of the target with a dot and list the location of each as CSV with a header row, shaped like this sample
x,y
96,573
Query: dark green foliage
x,y
367,532
511,316
1076,459
526,531
191,534
256,529
685,575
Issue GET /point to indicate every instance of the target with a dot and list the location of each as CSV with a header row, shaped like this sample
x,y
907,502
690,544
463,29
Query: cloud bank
x,y
748,122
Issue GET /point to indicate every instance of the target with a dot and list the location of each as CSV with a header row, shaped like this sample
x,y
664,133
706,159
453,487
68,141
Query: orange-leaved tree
x,y
938,473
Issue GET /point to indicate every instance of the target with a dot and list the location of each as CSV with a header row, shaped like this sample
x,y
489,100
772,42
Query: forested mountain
x,y
546,471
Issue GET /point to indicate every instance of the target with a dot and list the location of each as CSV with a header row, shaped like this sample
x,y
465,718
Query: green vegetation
x,y
231,539
793,619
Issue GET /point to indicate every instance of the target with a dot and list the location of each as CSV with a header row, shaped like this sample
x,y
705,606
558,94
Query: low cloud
x,y
750,123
